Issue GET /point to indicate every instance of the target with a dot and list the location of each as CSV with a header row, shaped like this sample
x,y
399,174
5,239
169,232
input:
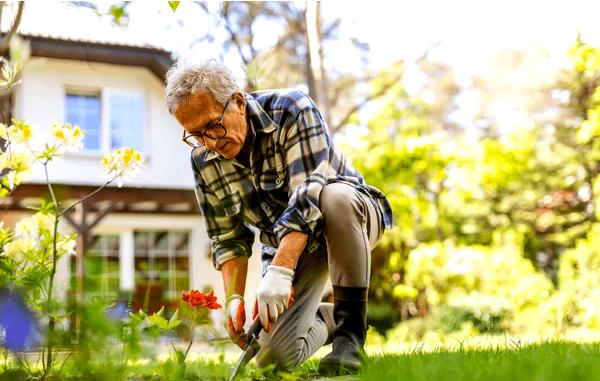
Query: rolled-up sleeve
x,y
230,237
307,148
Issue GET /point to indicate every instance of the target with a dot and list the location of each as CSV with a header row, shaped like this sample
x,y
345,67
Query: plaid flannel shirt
x,y
292,158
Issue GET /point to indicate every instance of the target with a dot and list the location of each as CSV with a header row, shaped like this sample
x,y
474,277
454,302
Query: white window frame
x,y
105,129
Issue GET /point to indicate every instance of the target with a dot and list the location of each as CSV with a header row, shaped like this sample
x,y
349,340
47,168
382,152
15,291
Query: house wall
x,y
40,100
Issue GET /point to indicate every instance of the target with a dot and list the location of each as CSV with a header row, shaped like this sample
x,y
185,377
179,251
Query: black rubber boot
x,y
350,313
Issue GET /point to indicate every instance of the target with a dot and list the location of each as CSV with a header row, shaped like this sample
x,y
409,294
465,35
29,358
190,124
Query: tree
x,y
6,102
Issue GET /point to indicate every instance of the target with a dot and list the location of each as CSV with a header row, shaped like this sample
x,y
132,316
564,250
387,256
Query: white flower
x,y
66,245
19,161
18,165
11,178
68,136
34,227
17,133
122,163
18,249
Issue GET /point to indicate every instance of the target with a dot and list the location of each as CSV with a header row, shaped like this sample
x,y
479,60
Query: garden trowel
x,y
251,349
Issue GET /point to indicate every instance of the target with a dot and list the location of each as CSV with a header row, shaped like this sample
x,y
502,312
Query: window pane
x,y
180,243
141,243
84,110
162,257
161,242
127,120
101,263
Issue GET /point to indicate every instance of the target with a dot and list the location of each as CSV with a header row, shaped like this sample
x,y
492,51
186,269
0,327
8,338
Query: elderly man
x,y
266,160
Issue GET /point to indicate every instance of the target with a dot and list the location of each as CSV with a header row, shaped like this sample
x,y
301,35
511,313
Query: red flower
x,y
197,299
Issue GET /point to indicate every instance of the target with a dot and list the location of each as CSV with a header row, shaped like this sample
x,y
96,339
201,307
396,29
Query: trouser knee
x,y
283,355
350,227
340,202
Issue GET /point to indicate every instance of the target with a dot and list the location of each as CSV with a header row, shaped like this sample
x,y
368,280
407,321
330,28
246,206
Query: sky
x,y
468,33
465,34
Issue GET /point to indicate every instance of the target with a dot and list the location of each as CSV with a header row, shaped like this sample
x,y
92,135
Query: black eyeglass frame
x,y
219,127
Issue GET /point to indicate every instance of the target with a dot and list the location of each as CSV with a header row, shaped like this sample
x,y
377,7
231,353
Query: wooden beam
x,y
126,196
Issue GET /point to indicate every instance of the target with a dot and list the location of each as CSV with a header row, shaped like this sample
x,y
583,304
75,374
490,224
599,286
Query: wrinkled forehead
x,y
198,107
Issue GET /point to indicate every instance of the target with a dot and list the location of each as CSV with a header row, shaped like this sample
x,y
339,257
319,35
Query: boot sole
x,y
335,368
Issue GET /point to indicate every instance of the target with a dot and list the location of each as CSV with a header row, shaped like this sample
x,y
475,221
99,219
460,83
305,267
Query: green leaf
x,y
158,321
173,5
141,315
118,14
173,322
180,356
49,152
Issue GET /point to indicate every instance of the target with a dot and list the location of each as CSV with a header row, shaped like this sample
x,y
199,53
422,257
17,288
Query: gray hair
x,y
185,79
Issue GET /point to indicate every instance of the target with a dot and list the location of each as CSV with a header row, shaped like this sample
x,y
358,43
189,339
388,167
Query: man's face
x,y
202,113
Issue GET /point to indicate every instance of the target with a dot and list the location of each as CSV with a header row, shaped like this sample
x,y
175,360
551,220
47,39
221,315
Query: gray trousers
x,y
352,226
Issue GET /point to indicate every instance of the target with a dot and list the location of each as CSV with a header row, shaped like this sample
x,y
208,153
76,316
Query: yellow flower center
x,y
59,134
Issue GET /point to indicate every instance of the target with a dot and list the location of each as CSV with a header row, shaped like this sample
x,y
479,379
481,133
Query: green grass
x,y
547,361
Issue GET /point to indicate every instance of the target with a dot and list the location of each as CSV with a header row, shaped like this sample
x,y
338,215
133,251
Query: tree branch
x,y
13,29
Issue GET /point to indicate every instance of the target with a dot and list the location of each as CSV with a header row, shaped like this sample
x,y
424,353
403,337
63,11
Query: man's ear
x,y
240,100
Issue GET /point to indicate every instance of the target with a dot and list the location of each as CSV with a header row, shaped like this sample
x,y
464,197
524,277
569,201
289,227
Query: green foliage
x,y
579,282
119,14
477,218
174,5
382,316
156,319
445,272
484,318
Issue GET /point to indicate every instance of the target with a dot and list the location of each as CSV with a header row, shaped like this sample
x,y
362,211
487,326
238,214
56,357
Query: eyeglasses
x,y
215,131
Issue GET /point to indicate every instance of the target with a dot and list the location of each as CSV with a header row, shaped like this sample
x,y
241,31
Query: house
x,y
148,235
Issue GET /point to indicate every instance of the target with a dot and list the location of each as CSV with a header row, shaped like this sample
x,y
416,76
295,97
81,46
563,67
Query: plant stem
x,y
88,196
52,273
191,336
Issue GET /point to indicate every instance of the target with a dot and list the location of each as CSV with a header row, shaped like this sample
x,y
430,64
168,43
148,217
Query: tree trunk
x,y
6,97
317,84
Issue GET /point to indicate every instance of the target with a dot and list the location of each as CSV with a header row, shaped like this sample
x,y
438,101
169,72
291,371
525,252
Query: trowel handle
x,y
254,330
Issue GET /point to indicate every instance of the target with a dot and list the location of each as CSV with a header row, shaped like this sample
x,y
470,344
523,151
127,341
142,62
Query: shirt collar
x,y
258,119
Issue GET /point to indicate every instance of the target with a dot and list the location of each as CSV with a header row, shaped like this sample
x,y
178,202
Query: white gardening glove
x,y
274,294
236,317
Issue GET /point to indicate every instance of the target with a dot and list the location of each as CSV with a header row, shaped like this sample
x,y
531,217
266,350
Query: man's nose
x,y
210,143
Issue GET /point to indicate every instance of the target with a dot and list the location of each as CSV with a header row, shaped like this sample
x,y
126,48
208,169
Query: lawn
x,y
548,361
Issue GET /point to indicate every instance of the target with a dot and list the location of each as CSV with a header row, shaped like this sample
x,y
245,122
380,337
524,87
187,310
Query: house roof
x,y
69,31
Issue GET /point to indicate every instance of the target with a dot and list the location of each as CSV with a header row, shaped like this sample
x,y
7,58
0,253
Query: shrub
x,y
382,316
484,285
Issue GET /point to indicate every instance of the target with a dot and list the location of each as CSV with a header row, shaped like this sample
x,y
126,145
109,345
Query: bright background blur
x,y
479,120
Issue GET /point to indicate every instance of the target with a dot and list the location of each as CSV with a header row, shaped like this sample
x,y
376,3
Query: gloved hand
x,y
236,317
274,294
